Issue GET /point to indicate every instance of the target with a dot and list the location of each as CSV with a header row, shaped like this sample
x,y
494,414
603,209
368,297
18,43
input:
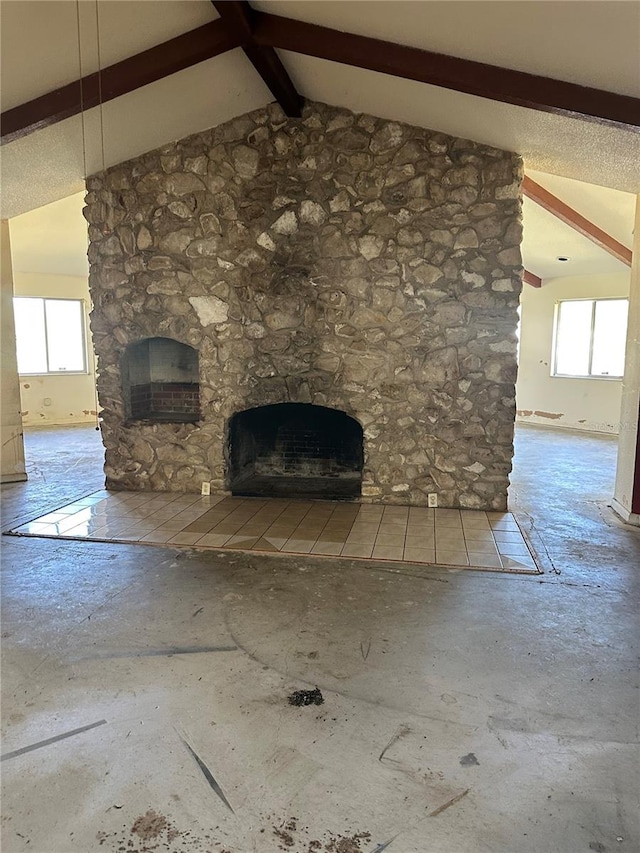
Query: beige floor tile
x,y
420,542
298,546
420,555
447,521
226,527
160,536
278,542
54,516
481,547
508,536
357,549
505,527
394,514
333,538
365,527
356,536
518,562
199,527
422,523
262,544
474,534
173,524
185,538
387,539
476,524
453,539
253,529
336,533
509,549
388,552
454,558
484,560
330,528
213,540
392,526
328,548
241,542
279,533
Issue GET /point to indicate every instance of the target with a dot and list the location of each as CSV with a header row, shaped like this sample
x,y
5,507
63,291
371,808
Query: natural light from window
x,y
590,338
49,335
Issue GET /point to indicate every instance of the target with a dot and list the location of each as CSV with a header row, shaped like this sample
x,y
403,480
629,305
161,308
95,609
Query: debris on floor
x,y
291,836
306,697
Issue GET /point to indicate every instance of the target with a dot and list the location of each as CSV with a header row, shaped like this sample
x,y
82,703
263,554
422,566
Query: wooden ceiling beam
x,y
260,33
240,18
449,72
530,278
579,223
132,73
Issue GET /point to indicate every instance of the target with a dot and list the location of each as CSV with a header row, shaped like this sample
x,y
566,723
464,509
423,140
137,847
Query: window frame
x,y
83,334
557,320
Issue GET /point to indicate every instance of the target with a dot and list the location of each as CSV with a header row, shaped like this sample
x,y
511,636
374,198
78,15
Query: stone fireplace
x,y
327,298
295,449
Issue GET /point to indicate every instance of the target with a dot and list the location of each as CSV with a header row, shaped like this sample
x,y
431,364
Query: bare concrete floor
x,y
462,711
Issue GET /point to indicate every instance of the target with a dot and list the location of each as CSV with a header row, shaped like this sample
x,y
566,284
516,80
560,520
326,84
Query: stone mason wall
x,y
338,259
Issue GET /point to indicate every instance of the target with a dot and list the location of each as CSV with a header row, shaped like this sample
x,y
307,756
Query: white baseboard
x,y
625,514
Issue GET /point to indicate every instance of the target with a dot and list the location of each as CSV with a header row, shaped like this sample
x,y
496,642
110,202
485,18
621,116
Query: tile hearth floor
x,y
473,539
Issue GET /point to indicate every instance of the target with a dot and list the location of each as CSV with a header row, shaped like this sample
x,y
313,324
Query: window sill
x,y
56,373
597,378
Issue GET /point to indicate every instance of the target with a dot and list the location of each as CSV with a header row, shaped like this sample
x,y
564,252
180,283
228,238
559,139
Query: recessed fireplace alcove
x,y
160,381
295,450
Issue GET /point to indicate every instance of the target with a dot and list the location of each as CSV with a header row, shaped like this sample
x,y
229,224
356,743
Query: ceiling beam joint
x,y
240,18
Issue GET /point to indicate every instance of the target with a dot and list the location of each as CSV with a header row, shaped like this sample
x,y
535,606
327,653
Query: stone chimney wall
x,y
339,259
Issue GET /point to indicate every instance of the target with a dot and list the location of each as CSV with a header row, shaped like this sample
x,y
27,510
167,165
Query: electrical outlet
x,y
432,499
205,489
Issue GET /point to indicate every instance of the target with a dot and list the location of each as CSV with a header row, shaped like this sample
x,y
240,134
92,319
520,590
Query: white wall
x,y
627,493
72,396
583,404
12,462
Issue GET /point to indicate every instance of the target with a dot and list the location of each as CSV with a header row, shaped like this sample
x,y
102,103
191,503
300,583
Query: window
x,y
50,335
590,337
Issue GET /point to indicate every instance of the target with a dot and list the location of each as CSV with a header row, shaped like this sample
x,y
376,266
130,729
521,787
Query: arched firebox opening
x,y
160,381
295,450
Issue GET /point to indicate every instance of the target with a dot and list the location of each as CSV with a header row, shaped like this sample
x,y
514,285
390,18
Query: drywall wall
x,y
627,492
582,404
64,398
12,465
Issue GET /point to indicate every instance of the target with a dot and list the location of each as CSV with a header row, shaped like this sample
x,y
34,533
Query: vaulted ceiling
x,y
566,133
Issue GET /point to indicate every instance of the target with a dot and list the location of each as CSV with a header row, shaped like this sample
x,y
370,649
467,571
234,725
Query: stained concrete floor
x,y
462,711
